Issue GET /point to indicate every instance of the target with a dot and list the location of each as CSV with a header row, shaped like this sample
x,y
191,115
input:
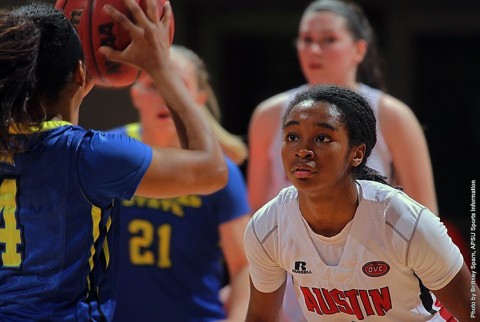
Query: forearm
x,y
239,296
193,128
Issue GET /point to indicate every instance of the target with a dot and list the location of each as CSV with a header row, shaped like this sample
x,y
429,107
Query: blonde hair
x,y
233,145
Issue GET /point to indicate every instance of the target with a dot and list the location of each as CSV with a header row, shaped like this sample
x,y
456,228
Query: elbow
x,y
217,177
222,175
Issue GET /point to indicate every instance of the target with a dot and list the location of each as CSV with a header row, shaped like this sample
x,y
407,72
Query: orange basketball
x,y
95,28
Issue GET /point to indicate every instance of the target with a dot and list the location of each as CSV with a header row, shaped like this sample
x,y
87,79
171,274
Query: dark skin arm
x,y
457,295
200,166
264,307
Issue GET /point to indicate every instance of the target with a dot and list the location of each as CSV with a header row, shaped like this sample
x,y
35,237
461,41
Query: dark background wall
x,y
431,50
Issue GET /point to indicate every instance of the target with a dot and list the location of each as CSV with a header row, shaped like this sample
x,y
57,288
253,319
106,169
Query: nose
x,y
316,48
305,153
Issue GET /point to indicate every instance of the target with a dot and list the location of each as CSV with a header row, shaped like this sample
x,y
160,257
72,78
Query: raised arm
x,y
200,166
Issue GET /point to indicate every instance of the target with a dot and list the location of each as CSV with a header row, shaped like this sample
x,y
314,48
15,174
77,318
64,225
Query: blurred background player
x,y
172,251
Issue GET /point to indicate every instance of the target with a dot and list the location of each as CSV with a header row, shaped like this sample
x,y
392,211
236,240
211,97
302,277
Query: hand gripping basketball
x,y
97,28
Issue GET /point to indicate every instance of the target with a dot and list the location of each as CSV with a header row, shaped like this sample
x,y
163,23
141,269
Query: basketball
x,y
95,29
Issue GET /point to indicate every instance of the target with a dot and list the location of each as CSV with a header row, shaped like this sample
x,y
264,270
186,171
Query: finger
x,y
136,12
110,53
167,14
152,10
121,19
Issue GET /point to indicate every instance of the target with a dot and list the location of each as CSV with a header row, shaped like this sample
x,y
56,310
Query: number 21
x,y
140,244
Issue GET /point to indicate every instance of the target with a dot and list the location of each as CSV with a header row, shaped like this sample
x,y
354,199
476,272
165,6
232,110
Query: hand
x,y
149,48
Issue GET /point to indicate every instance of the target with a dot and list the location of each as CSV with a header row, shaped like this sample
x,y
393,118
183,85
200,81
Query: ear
x,y
358,155
83,78
362,47
80,73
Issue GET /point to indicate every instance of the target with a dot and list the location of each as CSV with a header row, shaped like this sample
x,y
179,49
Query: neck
x,y
328,213
64,112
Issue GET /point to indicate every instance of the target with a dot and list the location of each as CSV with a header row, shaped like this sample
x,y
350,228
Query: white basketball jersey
x,y
394,250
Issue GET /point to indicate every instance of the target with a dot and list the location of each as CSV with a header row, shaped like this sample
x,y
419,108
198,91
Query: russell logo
x,y
375,269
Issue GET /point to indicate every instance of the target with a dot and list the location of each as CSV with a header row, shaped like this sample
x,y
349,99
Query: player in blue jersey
x,y
60,184
172,250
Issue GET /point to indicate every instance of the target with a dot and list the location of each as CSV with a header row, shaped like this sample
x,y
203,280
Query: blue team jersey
x,y
56,227
171,262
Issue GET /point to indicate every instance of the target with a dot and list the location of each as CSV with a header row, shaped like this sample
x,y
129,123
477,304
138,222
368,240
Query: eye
x,y
306,40
329,40
322,139
290,137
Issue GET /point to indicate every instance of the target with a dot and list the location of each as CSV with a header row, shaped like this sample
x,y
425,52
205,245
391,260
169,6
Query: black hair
x,y
369,70
357,116
39,50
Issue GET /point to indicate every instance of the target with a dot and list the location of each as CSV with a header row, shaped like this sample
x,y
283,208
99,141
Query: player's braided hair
x,y
356,115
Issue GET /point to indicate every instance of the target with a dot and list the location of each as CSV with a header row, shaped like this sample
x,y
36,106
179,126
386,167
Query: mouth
x,y
315,66
303,170
164,114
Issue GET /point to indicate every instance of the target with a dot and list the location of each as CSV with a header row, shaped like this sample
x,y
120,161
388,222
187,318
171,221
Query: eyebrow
x,y
319,124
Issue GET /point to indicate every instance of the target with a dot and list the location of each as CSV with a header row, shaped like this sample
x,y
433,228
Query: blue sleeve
x,y
111,165
233,199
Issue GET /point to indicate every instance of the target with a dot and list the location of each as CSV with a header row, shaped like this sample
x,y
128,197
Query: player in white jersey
x,y
336,45
355,248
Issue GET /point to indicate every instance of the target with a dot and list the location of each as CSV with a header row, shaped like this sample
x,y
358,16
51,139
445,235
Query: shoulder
x,y
392,109
392,214
271,107
105,147
267,218
266,117
274,106
399,211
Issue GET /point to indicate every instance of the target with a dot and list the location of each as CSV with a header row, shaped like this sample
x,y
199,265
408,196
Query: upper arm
x,y
411,158
231,235
264,306
432,255
111,165
461,297
175,172
233,215
263,126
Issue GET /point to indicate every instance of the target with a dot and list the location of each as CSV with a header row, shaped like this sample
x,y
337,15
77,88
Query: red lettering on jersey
x,y
339,298
326,302
310,301
366,302
381,300
352,302
352,296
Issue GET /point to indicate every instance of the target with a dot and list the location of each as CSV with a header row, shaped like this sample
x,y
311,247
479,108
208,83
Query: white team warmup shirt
x,y
376,269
